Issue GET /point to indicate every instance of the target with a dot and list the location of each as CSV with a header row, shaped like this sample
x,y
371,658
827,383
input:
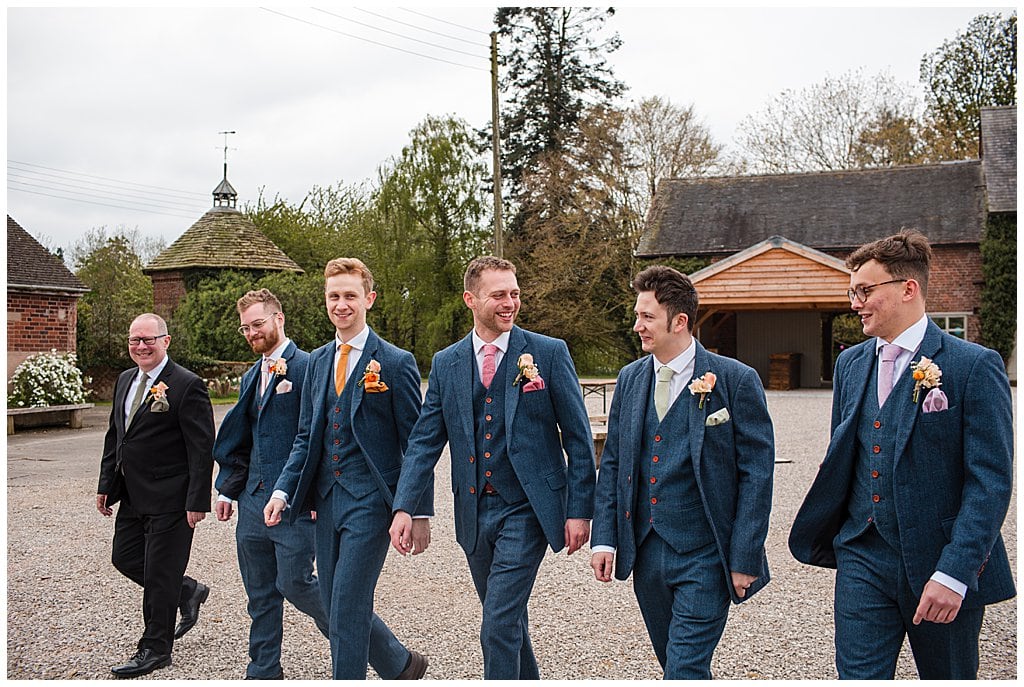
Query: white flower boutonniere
x,y
526,368
158,398
926,375
278,368
703,385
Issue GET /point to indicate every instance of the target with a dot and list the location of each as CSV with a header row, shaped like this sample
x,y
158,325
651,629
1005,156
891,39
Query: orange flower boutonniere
x,y
926,375
278,367
371,379
158,398
703,385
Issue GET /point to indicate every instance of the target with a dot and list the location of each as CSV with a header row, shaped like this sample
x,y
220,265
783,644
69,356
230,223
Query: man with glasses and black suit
x,y
158,462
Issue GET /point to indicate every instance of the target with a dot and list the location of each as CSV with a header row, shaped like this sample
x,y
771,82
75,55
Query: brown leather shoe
x,y
415,668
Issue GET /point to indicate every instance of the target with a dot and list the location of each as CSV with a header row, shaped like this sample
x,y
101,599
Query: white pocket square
x,y
283,387
719,417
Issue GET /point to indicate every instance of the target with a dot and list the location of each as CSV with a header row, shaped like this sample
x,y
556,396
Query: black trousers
x,y
153,552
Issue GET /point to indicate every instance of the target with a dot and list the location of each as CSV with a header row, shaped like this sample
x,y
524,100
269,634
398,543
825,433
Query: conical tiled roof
x,y
223,238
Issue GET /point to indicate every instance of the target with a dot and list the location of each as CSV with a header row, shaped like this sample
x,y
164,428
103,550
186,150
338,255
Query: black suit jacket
x,y
163,463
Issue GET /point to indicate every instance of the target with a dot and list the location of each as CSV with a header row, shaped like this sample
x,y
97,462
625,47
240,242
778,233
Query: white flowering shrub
x,y
46,379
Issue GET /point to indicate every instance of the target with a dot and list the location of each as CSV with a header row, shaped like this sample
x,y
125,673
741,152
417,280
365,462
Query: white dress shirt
x,y
910,341
151,377
478,348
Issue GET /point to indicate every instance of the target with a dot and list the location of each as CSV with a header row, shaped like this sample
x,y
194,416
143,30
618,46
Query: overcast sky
x,y
121,107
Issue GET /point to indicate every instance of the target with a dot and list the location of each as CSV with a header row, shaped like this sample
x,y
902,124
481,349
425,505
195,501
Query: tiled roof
x,y
999,157
225,238
824,210
32,266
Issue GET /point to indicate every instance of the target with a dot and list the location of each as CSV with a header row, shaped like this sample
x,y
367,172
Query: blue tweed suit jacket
x,y
540,425
274,432
381,423
953,471
733,463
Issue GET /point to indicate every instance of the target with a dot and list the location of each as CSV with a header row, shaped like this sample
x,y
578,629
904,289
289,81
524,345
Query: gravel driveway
x,y
71,615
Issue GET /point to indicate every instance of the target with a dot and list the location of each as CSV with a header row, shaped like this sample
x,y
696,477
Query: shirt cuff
x,y
947,581
421,517
224,499
600,548
278,494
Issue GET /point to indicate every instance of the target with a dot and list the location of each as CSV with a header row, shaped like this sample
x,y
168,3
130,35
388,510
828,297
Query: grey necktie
x,y
665,374
137,400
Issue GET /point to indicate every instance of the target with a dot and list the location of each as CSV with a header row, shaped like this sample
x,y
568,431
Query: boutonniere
x,y
278,368
371,379
526,369
926,375
703,385
158,398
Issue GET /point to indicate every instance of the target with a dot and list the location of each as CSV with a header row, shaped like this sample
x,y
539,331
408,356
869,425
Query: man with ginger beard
x,y
508,403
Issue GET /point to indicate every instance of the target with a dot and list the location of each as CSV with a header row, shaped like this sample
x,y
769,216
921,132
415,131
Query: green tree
x,y
205,324
999,294
428,224
554,66
112,268
976,69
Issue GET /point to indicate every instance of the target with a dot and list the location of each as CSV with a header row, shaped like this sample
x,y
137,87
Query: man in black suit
x,y
158,462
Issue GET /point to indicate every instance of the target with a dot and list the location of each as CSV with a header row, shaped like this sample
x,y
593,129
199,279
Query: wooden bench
x,y
46,416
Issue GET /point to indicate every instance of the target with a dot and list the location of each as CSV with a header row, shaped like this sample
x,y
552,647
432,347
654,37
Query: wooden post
x,y
499,239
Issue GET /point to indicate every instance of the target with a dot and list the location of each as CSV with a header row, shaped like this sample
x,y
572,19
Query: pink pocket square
x,y
935,401
536,384
283,387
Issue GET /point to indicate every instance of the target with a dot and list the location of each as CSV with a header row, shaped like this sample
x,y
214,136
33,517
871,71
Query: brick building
x,y
42,299
777,245
223,238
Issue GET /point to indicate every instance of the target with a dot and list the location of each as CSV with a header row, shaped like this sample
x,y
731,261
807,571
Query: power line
x,y
92,202
443,21
119,181
56,178
367,40
418,28
393,33
67,187
142,203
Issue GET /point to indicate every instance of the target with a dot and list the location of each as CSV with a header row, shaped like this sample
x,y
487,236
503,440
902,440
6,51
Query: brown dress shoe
x,y
415,668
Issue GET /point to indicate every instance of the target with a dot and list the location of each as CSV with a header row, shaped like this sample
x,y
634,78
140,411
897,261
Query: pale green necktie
x,y
665,374
137,400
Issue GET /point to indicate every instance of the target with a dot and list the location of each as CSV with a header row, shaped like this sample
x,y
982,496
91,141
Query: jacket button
x,y
877,424
335,458
876,498
487,417
487,436
655,459
472,490
487,474
629,478
657,437
337,473
653,501
487,454
874,474
472,459
337,441
627,515
337,410
488,399
653,480
876,449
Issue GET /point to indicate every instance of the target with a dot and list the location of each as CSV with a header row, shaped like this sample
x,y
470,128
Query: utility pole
x,y
499,239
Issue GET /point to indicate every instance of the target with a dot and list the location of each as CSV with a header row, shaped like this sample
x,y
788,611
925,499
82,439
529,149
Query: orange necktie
x,y
342,370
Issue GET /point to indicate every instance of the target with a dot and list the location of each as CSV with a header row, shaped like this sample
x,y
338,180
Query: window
x,y
955,324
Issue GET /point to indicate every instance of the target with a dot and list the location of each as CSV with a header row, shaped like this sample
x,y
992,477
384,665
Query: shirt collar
x,y
501,342
681,361
357,342
910,339
279,351
155,372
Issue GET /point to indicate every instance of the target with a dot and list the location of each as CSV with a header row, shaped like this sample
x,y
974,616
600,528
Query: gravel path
x,y
71,615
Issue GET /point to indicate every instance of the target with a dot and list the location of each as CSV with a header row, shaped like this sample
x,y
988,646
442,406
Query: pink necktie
x,y
488,371
886,364
264,374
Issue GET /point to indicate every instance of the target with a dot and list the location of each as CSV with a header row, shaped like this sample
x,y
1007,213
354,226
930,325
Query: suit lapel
x,y
516,347
120,393
635,426
698,416
461,375
143,410
272,380
369,350
931,345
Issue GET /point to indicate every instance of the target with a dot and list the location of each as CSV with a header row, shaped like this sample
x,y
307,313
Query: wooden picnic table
x,y
597,385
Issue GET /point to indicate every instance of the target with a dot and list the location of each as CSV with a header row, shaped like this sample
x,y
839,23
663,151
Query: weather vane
x,y
225,133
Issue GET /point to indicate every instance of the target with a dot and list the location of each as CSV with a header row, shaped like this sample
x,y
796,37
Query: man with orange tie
x,y
360,400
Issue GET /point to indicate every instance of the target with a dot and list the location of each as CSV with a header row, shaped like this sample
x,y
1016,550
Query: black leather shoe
x,y
144,662
415,668
279,676
190,610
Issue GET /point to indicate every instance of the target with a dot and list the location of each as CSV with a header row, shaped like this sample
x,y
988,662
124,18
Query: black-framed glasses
x,y
148,340
258,324
861,293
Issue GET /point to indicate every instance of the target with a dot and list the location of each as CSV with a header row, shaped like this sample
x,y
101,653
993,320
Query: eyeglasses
x,y
148,340
861,293
258,324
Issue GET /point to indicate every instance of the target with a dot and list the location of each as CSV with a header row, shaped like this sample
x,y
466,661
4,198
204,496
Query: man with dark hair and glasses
x,y
252,447
158,462
916,482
